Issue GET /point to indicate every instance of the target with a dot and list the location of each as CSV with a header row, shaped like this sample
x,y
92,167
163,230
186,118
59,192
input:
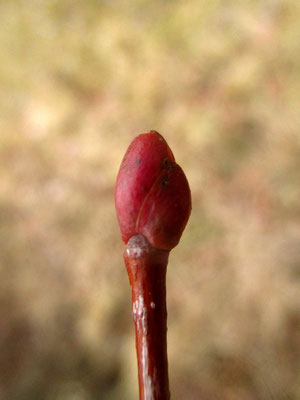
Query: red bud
x,y
152,194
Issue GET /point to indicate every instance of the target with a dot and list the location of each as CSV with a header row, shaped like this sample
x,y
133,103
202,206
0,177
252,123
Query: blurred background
x,y
220,80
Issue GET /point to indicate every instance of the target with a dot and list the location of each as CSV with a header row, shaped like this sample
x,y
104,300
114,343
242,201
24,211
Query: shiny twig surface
x,y
147,268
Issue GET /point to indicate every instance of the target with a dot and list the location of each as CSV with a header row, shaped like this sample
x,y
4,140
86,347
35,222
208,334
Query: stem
x,y
147,267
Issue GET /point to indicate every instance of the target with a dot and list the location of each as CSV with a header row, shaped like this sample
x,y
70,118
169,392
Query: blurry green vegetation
x,y
220,80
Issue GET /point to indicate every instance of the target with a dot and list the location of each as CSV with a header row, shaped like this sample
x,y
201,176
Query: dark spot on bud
x,y
165,181
166,163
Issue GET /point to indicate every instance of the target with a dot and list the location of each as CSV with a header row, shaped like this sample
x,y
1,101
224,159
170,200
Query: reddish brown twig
x,y
153,203
147,269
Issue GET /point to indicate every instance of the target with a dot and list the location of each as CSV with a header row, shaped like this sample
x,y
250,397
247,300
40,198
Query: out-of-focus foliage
x,y
220,80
